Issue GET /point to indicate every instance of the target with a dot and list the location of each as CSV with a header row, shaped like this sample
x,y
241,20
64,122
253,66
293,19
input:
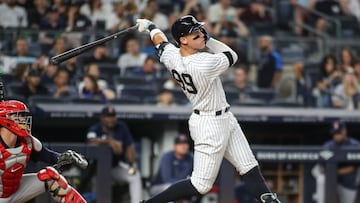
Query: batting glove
x,y
143,25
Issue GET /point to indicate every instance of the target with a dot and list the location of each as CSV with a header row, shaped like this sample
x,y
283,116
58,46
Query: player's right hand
x,y
143,24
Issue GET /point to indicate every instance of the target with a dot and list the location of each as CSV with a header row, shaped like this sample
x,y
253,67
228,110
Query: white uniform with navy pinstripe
x,y
215,130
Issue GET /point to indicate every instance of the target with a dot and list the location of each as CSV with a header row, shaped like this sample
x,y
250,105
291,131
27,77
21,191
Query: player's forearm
x,y
156,35
218,47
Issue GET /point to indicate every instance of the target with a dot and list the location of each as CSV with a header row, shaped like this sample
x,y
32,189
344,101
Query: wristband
x,y
151,26
153,32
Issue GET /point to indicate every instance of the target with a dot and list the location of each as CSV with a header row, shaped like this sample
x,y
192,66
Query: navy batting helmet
x,y
184,26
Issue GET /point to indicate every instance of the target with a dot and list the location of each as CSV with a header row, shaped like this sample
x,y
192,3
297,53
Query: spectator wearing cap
x,y
347,172
175,165
32,85
52,20
115,133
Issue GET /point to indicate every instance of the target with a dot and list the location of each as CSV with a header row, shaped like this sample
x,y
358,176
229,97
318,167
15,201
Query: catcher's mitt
x,y
71,158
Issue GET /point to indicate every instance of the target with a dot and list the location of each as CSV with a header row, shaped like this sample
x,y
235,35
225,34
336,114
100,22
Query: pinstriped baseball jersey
x,y
215,136
197,75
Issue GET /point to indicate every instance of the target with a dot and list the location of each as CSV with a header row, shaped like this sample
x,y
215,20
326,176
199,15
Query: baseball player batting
x,y
214,129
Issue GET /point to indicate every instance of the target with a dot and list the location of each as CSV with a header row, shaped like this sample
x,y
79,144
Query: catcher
x,y
18,147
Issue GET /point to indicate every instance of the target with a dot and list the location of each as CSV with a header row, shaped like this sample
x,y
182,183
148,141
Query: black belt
x,y
217,113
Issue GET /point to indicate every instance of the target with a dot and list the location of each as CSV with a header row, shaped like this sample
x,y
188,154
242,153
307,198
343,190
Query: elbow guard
x,y
229,57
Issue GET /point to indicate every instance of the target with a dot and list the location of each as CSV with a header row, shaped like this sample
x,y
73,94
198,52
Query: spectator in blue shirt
x,y
115,133
175,165
269,65
347,172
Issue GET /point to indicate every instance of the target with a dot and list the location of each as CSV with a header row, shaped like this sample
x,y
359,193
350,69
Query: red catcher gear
x,y
60,189
13,164
14,116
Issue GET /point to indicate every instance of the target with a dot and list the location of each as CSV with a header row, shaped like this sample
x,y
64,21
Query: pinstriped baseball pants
x,y
215,138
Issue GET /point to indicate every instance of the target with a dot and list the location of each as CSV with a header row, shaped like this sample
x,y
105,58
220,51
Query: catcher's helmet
x,y
184,26
15,116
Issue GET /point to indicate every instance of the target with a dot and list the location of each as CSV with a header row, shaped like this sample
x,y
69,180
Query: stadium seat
x,y
141,92
264,94
248,102
126,100
85,101
35,99
13,88
134,81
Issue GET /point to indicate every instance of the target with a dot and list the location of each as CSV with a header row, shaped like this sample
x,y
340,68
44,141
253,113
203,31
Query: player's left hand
x,y
143,24
71,158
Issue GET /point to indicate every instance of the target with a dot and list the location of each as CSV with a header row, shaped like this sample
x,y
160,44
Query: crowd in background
x,y
130,72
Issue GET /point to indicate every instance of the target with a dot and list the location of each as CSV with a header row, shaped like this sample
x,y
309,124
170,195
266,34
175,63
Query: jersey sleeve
x,y
167,52
213,65
45,155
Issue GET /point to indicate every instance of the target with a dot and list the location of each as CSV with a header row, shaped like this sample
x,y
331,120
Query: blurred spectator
x,y
347,184
240,82
175,165
59,46
71,66
152,13
300,14
91,90
12,16
131,13
7,62
20,73
357,69
220,11
165,98
132,57
354,8
32,85
328,7
117,20
75,20
52,20
325,83
99,55
347,58
61,87
22,54
21,47
97,11
41,62
61,7
301,86
344,94
150,70
255,12
192,7
269,64
36,13
115,133
230,27
93,70
48,74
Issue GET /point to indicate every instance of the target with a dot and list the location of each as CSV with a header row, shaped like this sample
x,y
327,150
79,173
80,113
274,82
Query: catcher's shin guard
x,y
58,187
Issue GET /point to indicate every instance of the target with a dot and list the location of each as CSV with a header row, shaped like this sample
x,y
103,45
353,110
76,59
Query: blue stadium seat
x,y
126,100
134,81
141,92
265,94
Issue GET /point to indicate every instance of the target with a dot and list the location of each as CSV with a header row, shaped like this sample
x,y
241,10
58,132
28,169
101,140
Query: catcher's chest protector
x,y
12,165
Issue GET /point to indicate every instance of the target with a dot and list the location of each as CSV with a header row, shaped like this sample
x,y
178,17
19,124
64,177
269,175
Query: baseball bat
x,y
81,49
